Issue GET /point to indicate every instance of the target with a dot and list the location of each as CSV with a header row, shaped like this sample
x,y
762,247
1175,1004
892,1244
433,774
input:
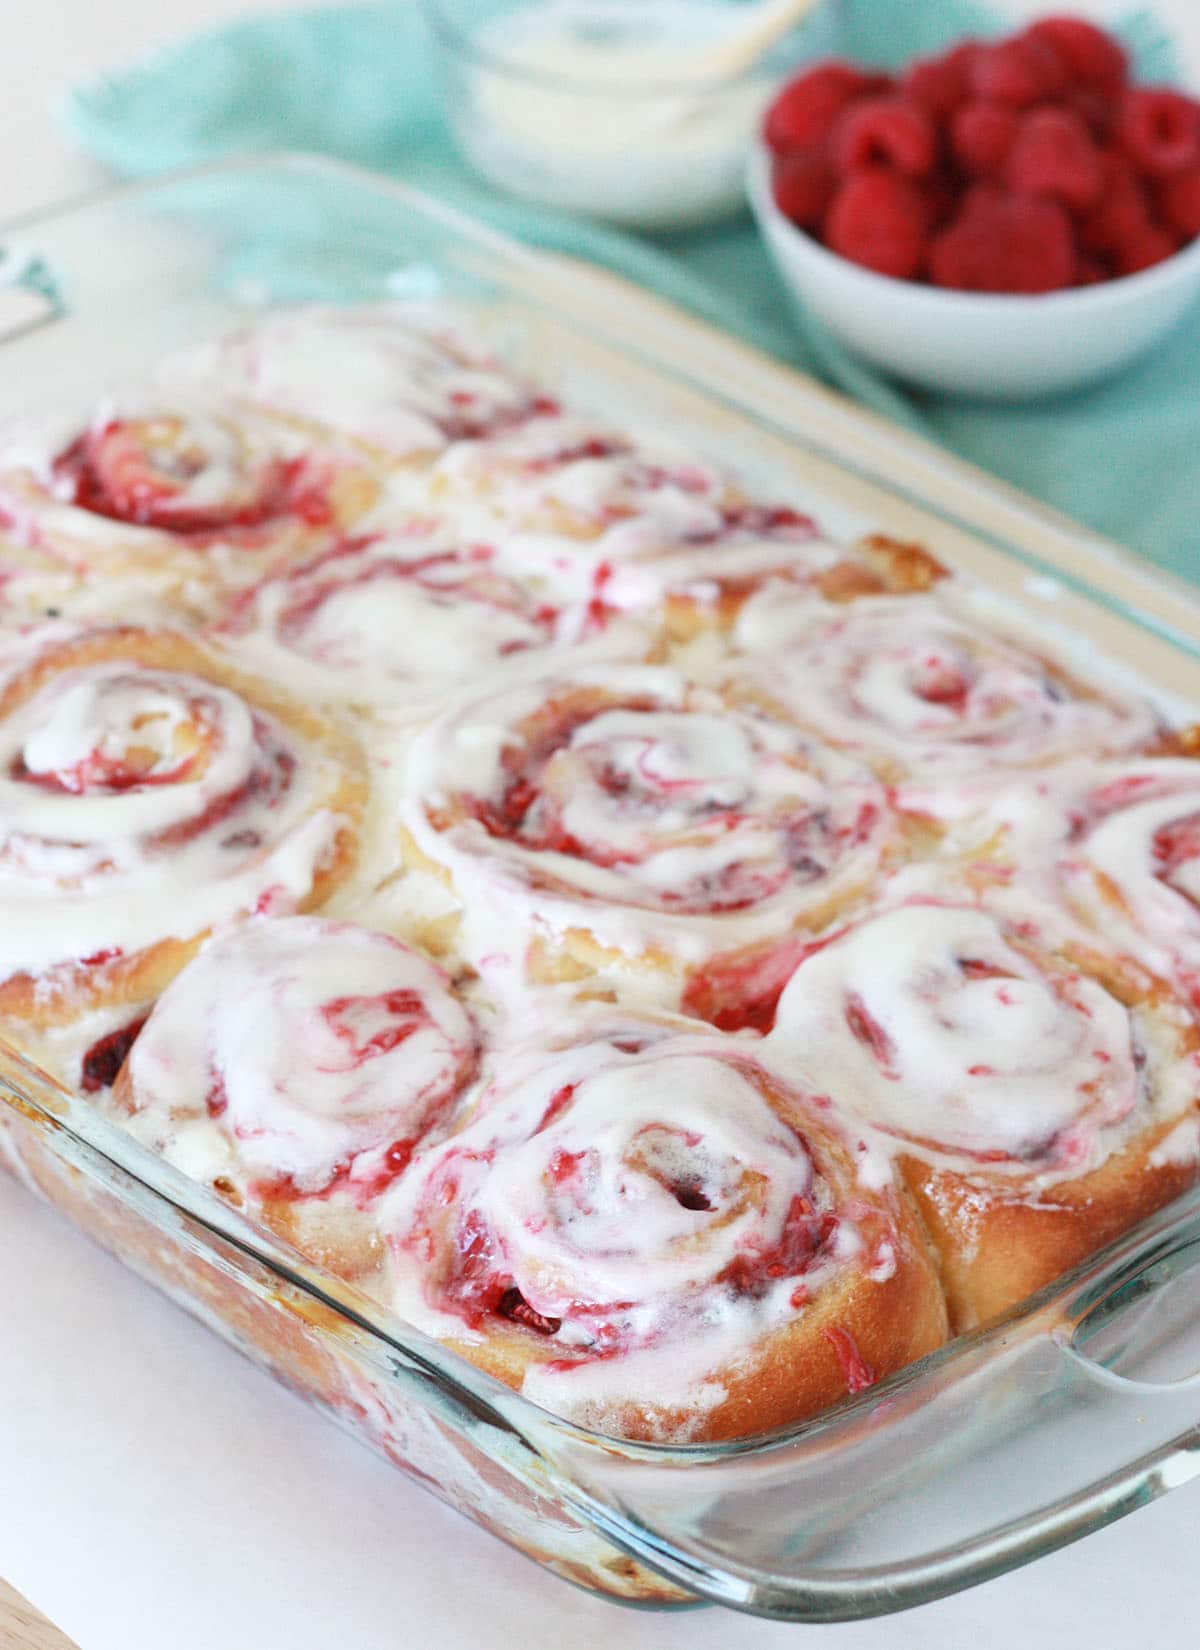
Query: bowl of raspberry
x,y
1013,218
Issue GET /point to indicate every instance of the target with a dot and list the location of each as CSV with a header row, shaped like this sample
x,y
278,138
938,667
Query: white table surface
x,y
157,1493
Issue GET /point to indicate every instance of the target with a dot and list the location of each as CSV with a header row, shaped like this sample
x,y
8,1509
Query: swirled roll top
x,y
655,1234
176,487
399,621
658,816
146,792
395,378
294,1052
936,1025
1039,1101
1130,862
923,690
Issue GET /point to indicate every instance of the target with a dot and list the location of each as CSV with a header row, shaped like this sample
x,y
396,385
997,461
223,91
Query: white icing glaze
x,y
1139,836
929,1024
909,679
392,376
178,463
401,622
662,815
140,804
296,1047
621,1186
596,515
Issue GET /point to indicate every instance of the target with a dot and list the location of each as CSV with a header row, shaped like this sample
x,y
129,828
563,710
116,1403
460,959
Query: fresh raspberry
x,y
1011,244
939,197
1020,71
977,196
1092,271
1091,55
1053,156
1178,200
981,135
1122,210
1160,130
876,219
805,110
802,184
885,131
1149,246
1097,110
940,84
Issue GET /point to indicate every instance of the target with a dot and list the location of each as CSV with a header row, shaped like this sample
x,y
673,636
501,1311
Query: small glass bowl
x,y
644,146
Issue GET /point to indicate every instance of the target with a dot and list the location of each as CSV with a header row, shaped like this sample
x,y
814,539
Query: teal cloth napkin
x,y
360,83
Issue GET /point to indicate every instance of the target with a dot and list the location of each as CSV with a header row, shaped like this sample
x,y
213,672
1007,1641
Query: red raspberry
x,y
1091,55
1149,246
977,195
939,196
1160,130
1097,110
939,84
1018,71
877,220
1054,156
1009,244
981,135
802,183
1122,210
1179,203
885,131
805,110
1091,272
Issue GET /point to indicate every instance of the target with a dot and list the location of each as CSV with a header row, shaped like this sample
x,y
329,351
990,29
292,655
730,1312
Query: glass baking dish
x,y
1009,1442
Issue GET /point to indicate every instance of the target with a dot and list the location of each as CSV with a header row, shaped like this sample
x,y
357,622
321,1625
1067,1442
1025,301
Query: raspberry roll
x,y
1129,863
148,791
395,380
620,818
295,1065
599,516
651,1234
176,487
922,691
1039,1102
400,621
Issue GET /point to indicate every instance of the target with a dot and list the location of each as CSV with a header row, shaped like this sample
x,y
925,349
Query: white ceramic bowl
x,y
976,344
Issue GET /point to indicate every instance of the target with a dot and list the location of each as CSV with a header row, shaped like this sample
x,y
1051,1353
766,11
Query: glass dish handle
x,y
30,295
1012,1442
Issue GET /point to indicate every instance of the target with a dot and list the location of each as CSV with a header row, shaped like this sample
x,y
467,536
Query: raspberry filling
x,y
158,473
104,1059
526,1215
145,741
480,1285
1176,847
687,806
446,579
